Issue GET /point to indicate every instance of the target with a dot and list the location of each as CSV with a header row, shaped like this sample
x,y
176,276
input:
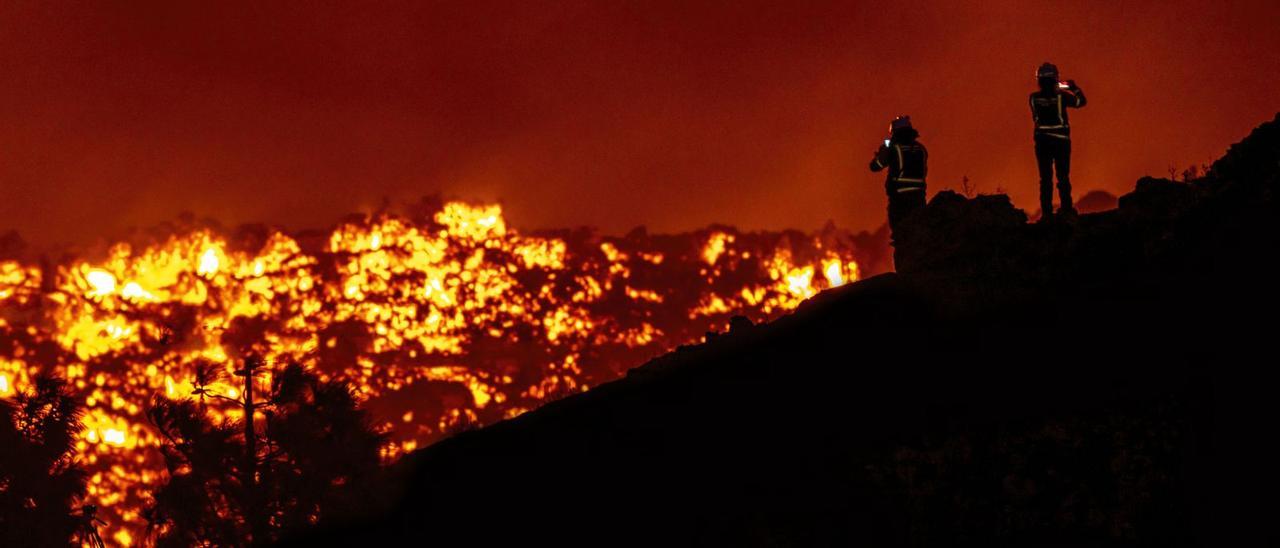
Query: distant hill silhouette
x,y
1095,201
1094,384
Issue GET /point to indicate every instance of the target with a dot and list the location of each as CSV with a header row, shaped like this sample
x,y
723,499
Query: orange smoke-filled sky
x,y
613,114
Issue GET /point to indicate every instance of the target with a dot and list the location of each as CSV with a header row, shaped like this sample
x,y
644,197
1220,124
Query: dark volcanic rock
x,y
1092,383
961,236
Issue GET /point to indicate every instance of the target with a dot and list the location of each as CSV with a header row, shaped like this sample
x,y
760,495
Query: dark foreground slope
x,y
1098,383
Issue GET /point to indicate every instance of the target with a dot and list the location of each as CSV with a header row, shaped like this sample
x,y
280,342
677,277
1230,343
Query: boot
x,y
1067,212
1064,197
1046,211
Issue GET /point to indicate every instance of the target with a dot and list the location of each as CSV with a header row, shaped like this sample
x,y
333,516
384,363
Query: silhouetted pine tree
x,y
38,479
251,481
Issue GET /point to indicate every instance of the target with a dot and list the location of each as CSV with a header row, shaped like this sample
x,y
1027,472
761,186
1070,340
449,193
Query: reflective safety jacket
x,y
908,165
1049,111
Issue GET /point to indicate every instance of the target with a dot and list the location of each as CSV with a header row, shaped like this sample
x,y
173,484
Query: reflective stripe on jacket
x,y
908,165
1049,111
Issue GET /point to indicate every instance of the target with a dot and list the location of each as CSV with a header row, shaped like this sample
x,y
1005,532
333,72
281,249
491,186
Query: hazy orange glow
x,y
665,113
450,321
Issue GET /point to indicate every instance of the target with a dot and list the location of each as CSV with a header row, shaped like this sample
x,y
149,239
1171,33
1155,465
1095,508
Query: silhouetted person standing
x,y
1053,136
907,161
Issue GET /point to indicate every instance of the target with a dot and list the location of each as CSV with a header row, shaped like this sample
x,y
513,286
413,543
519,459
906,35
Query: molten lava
x,y
442,321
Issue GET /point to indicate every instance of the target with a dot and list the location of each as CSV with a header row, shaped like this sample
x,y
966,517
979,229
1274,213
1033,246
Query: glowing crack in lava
x,y
441,320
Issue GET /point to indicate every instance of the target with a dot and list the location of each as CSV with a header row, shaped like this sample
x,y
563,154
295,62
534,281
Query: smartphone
x,y
1064,85
886,142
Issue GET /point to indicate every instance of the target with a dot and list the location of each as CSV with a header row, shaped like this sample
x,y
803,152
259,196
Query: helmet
x,y
901,122
1047,70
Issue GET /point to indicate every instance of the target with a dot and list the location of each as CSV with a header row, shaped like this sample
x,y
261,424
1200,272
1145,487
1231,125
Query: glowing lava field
x,y
440,320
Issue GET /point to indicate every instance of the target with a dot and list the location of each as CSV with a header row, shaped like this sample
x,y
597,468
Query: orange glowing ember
x,y
440,321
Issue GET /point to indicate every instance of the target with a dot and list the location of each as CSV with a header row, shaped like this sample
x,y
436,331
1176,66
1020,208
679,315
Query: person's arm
x,y
881,159
1077,94
924,170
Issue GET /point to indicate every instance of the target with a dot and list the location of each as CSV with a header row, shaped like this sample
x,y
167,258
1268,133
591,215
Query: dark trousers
x,y
901,204
1054,153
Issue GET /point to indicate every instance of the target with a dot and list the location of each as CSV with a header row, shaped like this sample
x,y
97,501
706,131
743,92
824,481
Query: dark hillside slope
x,y
1096,383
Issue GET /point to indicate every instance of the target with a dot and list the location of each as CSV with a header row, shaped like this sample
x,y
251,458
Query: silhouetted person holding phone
x,y
1053,137
907,161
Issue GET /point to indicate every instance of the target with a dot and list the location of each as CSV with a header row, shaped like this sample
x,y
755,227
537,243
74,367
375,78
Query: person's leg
x,y
1044,161
915,201
896,213
902,204
1062,163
